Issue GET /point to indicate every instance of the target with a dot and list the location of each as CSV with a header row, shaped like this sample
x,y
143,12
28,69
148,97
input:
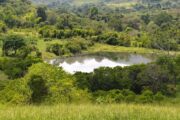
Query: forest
x,y
34,31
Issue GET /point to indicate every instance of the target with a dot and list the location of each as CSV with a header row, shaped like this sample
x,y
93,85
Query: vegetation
x,y
47,84
90,112
92,23
31,33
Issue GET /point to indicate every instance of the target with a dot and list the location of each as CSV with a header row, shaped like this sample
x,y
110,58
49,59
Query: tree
x,y
112,41
93,12
12,43
163,18
56,49
65,22
16,68
41,13
155,78
146,18
115,23
3,27
39,89
163,39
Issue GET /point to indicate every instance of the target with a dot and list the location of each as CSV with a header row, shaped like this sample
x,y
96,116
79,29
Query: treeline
x,y
47,84
145,83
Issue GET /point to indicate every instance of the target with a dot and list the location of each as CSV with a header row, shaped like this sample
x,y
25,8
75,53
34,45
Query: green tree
x,y
163,18
146,18
3,27
11,44
41,13
116,23
93,12
39,89
56,49
155,78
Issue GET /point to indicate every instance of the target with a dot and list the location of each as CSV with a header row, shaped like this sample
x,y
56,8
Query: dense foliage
x,y
119,83
30,32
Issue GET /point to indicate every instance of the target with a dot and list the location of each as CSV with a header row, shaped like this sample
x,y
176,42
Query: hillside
x,y
98,59
116,3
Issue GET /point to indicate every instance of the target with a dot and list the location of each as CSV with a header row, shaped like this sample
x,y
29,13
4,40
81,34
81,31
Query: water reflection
x,y
87,63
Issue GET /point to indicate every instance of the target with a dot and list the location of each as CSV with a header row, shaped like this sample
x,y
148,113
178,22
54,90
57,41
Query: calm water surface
x,y
87,63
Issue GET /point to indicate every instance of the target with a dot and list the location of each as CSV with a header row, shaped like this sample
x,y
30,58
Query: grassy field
x,y
90,112
109,48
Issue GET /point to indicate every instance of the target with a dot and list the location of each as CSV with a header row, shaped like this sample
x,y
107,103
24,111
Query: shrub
x,y
16,92
145,97
159,97
12,43
129,95
16,68
55,48
3,27
112,96
38,87
115,96
77,44
74,48
43,84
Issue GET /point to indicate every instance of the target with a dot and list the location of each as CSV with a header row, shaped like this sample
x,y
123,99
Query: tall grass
x,y
90,112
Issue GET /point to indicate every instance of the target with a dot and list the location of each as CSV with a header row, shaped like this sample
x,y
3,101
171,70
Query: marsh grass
x,y
90,112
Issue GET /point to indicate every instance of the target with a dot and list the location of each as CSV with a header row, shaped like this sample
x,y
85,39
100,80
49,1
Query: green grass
x,y
90,112
108,48
3,76
125,4
81,2
43,45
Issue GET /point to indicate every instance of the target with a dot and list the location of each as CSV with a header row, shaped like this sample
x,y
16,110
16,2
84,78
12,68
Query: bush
x,y
74,48
78,44
16,92
129,95
39,89
115,96
56,48
43,84
112,96
145,97
159,97
112,41
12,43
16,68
3,27
75,45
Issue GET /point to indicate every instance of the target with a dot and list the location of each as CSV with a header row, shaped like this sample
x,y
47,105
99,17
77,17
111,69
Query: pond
x,y
87,63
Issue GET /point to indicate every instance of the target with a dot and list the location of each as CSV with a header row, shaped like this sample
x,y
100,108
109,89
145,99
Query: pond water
x,y
87,63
